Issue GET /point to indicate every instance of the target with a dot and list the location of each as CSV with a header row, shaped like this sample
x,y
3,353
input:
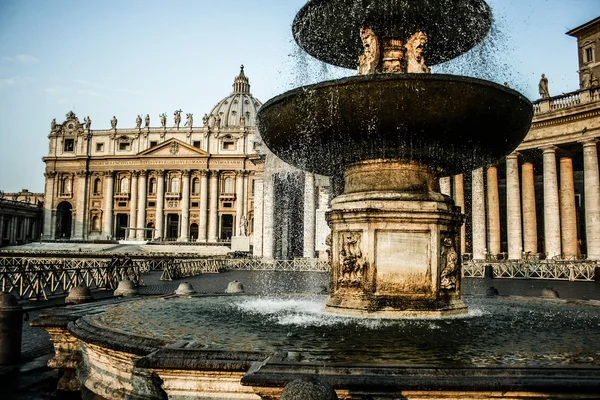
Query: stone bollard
x,y
126,288
235,287
79,295
11,329
308,389
492,291
550,293
185,289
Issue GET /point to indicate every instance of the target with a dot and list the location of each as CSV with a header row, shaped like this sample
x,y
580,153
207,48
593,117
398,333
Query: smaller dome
x,y
240,103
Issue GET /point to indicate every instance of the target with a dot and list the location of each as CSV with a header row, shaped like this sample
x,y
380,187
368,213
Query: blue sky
x,y
106,57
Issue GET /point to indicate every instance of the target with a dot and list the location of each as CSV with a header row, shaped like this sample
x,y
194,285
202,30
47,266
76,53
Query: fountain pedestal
x,y
394,242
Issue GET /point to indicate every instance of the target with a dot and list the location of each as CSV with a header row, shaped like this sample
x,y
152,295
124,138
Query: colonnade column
x,y
48,196
478,215
459,201
160,204
268,217
309,215
185,207
133,204
493,220
79,222
214,204
591,182
446,185
239,202
529,210
108,205
141,208
203,206
513,208
551,204
568,216
257,231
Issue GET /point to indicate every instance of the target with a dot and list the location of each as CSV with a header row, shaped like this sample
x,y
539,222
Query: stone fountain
x,y
386,136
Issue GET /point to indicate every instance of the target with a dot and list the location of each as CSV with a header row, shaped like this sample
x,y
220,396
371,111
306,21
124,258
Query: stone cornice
x,y
564,119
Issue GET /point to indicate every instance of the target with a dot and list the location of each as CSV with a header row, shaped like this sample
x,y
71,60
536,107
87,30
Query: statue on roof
x,y
189,119
147,122
138,122
543,87
70,115
88,122
177,115
113,122
53,125
205,119
163,120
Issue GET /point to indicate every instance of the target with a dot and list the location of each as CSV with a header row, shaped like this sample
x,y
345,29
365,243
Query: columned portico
x,y
309,215
592,198
141,208
268,217
529,209
513,208
48,201
551,204
203,217
185,207
493,209
133,204
239,202
79,222
214,203
108,206
568,217
160,204
478,215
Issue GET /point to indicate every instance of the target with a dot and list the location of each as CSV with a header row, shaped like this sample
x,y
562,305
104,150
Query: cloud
x,y
22,59
14,81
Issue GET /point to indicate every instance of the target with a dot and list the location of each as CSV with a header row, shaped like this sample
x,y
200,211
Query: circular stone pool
x,y
495,332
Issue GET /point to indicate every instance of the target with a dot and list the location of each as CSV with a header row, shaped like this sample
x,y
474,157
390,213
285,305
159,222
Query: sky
x,y
128,57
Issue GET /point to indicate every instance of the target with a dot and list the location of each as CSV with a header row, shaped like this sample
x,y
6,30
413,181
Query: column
x,y
141,207
529,210
48,202
513,208
268,217
446,186
79,222
12,236
213,223
203,206
246,177
133,204
493,211
185,207
309,215
108,205
478,215
257,235
591,181
160,203
568,216
239,201
551,205
1,228
459,201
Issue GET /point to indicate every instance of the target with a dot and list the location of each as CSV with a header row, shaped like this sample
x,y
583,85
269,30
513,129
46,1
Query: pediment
x,y
174,148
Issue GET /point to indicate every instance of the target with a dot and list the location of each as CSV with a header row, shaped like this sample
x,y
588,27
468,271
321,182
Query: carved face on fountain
x,y
414,52
369,60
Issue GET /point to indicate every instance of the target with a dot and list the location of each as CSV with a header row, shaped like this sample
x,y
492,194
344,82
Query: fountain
x,y
384,136
392,131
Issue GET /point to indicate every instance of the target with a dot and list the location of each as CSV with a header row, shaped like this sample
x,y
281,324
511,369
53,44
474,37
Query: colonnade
x,y
559,208
18,226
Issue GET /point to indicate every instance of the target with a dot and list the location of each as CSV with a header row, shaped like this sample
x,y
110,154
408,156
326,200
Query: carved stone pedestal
x,y
395,247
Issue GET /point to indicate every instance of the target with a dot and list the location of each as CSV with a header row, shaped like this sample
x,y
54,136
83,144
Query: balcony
x,y
566,100
172,195
121,196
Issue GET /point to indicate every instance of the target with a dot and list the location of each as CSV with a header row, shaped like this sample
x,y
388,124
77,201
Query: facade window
x,y
195,204
153,143
122,204
152,186
227,205
196,186
124,146
174,185
96,227
588,54
124,185
197,144
228,145
69,145
228,185
97,186
100,147
66,186
151,204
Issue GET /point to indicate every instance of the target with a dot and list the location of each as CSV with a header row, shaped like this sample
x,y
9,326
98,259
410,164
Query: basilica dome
x,y
237,109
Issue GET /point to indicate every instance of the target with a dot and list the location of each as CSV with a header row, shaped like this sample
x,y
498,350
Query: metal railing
x,y
40,277
567,270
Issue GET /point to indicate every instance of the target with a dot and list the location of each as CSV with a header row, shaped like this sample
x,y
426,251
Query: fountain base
x,y
394,243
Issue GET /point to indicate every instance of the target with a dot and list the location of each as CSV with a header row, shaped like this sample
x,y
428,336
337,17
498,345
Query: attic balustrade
x,y
567,100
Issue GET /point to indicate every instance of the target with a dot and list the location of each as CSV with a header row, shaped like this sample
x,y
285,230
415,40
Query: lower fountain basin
x,y
496,331
450,122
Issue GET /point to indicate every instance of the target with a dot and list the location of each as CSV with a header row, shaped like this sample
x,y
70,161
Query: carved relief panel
x,y
351,264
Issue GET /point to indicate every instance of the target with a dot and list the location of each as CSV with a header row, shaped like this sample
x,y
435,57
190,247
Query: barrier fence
x,y
566,270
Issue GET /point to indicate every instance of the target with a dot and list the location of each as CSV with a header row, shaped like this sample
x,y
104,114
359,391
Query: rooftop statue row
x,y
391,55
55,127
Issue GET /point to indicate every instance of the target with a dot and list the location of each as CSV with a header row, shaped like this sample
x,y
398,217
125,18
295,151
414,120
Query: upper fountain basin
x,y
449,122
329,29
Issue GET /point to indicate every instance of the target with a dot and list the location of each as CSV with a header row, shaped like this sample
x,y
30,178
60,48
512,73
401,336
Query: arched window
x,y
66,186
152,186
228,185
174,185
196,186
96,227
97,186
124,185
